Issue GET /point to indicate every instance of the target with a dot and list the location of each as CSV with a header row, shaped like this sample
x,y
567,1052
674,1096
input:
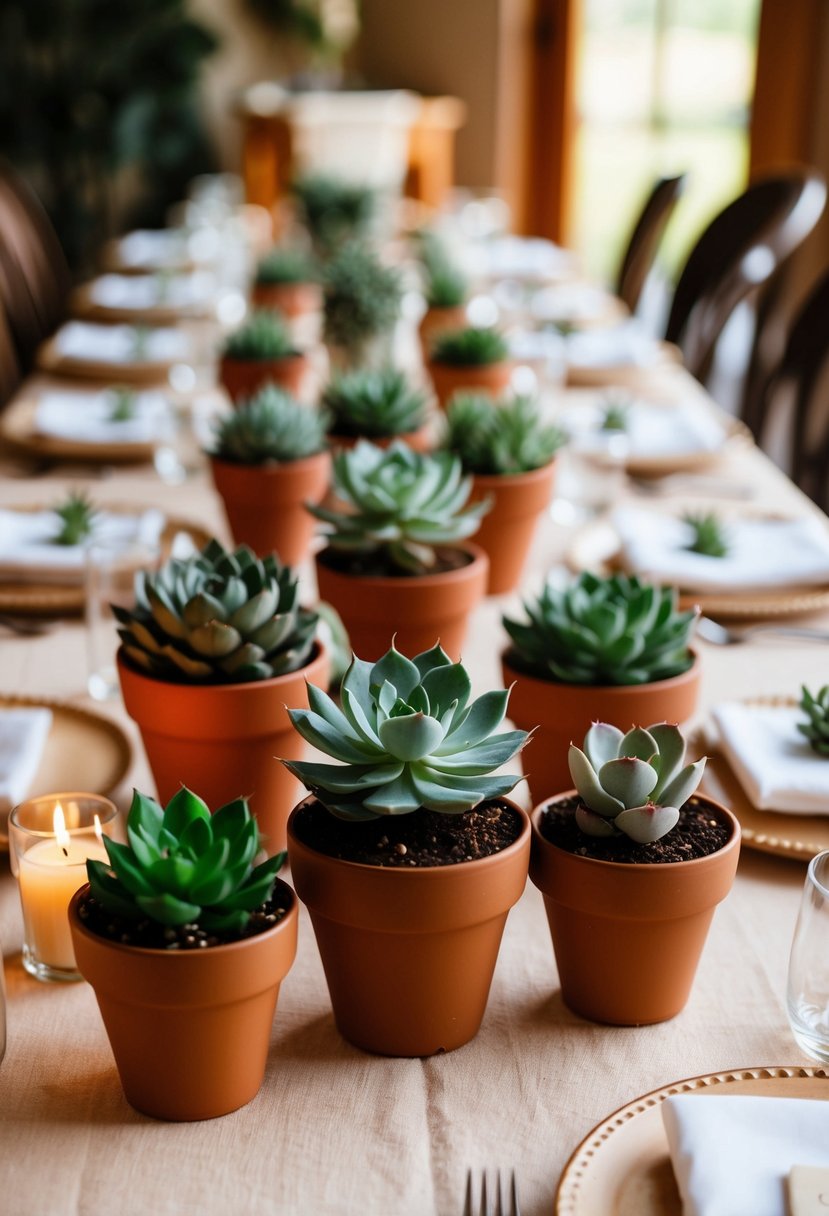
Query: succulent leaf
x,y
264,335
644,824
271,426
815,727
375,404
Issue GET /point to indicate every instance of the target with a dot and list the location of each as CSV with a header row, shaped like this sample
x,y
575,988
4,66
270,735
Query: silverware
x,y
500,1200
719,635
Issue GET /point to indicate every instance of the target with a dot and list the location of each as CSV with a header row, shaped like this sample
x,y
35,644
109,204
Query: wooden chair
x,y
10,374
736,255
645,238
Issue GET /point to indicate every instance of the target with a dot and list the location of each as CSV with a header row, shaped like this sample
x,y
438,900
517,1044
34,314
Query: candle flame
x,y
99,831
59,825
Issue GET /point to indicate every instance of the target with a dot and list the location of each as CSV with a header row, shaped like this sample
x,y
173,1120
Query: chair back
x,y
10,374
645,238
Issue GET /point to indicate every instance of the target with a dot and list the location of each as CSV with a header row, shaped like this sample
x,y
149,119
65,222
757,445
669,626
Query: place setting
x,y
138,354
148,299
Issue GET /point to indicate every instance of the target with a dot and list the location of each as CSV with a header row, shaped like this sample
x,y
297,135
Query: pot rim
x,y
210,952
504,479
601,689
123,662
477,554
268,467
411,874
472,367
293,356
634,867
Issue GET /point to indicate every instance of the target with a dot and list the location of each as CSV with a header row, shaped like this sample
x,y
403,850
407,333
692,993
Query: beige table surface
x,y
334,1130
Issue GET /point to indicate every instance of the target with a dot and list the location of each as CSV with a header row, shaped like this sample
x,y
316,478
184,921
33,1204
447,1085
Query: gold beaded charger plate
x,y
799,837
57,599
623,1167
17,427
83,751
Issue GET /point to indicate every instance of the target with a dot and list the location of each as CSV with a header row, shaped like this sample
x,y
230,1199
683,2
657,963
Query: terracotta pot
x,y
437,321
290,299
563,714
627,938
242,378
420,440
189,1029
492,378
507,530
265,504
420,610
223,739
409,954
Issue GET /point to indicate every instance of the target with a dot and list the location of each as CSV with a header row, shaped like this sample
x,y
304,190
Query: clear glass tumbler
x,y
111,567
807,992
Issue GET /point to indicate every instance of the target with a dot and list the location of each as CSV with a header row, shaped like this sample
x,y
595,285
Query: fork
x,y
500,1204
719,635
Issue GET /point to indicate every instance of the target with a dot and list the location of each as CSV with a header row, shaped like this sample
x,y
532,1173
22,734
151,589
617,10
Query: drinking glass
x,y
807,992
111,566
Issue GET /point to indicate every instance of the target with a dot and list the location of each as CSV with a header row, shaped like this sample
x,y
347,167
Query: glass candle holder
x,y
51,838
807,991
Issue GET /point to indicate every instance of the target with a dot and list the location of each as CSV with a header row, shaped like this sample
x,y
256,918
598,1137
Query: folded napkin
x,y
732,1153
85,417
653,431
774,763
139,291
120,343
27,550
23,734
764,554
147,248
625,345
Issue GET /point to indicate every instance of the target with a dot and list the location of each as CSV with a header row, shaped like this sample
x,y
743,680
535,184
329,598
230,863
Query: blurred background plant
x,y
323,30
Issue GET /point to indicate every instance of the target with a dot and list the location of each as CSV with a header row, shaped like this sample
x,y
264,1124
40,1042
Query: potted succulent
x,y
632,864
270,457
361,305
611,648
377,405
333,211
186,942
261,352
407,854
392,561
445,289
287,281
510,452
212,650
469,358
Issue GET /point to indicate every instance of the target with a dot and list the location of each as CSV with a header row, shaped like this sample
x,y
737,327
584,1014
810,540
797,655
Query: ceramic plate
x,y
55,599
796,836
86,308
736,433
84,751
51,361
17,427
623,1167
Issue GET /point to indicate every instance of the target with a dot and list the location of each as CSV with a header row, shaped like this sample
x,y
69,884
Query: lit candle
x,y
51,871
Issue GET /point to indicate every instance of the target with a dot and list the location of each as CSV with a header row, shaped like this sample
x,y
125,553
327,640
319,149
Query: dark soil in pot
x,y
422,838
354,563
154,936
697,834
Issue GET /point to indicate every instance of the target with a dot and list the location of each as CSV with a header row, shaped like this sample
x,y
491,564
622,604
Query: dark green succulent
x,y
472,347
216,618
709,535
499,438
601,631
184,866
375,404
272,425
816,726
264,335
361,300
122,404
398,505
333,210
286,264
616,416
77,517
407,736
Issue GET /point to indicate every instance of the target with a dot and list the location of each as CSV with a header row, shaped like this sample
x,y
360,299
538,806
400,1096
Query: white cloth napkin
x,y
653,431
117,343
732,1153
774,763
625,345
85,417
147,248
764,554
184,291
27,550
23,734
571,302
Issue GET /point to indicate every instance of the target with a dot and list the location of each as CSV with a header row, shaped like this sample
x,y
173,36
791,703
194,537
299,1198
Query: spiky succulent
x,y
499,438
264,335
122,404
270,426
375,404
708,534
399,505
77,516
472,347
216,618
616,416
286,264
333,210
445,284
632,784
361,299
600,631
407,736
816,726
184,866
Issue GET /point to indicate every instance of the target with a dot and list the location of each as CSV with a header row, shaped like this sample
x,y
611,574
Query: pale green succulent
x,y
407,737
272,425
400,504
709,535
816,726
216,618
632,784
499,438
